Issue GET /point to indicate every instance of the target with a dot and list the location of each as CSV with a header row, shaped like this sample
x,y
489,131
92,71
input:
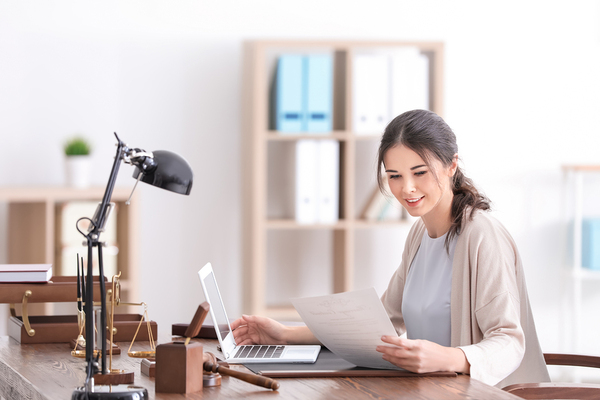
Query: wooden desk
x,y
49,372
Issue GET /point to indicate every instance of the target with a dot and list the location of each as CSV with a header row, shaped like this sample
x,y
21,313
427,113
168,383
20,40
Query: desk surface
x,y
49,372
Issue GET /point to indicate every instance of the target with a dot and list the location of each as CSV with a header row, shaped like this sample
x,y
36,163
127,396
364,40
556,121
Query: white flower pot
x,y
78,171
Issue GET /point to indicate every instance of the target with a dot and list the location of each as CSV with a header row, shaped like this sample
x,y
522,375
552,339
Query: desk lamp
x,y
162,169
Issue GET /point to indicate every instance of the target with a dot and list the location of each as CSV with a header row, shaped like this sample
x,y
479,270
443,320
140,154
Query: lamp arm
x,y
121,149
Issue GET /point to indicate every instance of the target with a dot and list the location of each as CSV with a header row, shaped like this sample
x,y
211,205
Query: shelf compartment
x,y
270,55
34,215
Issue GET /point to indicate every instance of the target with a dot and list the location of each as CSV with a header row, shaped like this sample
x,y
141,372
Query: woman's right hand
x,y
253,329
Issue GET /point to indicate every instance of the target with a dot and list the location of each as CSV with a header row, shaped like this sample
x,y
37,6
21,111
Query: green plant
x,y
77,147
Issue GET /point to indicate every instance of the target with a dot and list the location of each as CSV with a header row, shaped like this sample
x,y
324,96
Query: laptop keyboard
x,y
259,352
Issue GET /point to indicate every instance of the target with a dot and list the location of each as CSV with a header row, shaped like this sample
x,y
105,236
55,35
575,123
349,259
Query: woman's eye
x,y
420,173
394,176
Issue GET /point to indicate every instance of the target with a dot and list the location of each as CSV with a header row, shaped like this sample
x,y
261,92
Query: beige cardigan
x,y
491,319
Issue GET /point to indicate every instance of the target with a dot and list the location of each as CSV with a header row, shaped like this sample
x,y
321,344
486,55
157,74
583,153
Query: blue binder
x,y
289,93
319,93
590,257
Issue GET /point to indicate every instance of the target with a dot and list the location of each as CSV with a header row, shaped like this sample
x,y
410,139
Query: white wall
x,y
522,93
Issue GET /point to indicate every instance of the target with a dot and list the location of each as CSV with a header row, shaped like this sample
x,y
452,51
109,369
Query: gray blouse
x,y
426,298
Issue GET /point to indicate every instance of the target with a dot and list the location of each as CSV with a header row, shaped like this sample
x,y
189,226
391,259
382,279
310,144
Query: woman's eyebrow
x,y
413,168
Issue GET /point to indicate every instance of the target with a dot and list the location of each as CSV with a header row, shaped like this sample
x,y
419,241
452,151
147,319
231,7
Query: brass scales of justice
x,y
114,376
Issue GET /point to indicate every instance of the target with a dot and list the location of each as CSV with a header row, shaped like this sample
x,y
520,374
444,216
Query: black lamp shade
x,y
172,172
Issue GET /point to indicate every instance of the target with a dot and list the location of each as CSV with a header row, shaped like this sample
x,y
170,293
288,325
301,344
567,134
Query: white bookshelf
x,y
260,139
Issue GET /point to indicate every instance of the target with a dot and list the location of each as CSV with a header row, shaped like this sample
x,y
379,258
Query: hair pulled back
x,y
428,135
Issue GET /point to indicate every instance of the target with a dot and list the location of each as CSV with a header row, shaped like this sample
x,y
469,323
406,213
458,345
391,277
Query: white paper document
x,y
349,324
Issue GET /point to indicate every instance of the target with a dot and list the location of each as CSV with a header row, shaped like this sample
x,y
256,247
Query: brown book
x,y
207,331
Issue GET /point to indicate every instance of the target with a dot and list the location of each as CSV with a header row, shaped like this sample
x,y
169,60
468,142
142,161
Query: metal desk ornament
x,y
160,168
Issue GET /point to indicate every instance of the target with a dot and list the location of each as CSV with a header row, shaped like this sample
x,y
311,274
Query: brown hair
x,y
428,135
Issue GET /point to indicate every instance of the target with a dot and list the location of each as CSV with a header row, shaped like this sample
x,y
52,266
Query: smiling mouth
x,y
413,201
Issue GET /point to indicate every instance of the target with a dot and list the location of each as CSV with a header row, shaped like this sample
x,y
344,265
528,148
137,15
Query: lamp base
x,y
114,377
112,392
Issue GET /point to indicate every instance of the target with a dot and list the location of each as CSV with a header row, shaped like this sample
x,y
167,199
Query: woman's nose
x,y
409,186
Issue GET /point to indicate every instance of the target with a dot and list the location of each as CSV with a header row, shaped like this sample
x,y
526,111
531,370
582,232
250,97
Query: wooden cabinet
x,y
261,140
34,228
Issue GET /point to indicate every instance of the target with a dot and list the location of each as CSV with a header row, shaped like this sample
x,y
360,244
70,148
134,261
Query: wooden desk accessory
x,y
211,365
179,364
32,329
148,367
28,329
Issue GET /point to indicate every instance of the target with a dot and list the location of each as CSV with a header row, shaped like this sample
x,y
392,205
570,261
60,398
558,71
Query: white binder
x,y
370,83
306,182
328,181
409,81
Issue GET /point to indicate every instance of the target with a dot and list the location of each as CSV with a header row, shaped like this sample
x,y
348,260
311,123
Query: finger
x,y
245,342
238,337
395,340
391,351
405,343
381,349
398,341
249,318
242,330
243,321
237,323
395,361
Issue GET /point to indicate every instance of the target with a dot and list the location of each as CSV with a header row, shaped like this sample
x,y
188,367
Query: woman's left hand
x,y
422,356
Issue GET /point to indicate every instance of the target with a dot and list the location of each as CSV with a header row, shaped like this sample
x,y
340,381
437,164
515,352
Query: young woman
x,y
459,293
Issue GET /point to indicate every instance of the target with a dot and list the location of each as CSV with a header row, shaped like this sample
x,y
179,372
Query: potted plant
x,y
77,152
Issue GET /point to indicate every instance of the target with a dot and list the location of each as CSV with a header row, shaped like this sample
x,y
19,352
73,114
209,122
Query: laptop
x,y
248,354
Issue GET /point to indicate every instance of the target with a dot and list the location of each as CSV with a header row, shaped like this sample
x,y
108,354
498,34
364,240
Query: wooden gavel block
x,y
178,364
179,367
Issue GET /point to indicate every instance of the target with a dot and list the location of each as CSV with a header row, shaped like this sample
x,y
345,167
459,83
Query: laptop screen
x,y
216,305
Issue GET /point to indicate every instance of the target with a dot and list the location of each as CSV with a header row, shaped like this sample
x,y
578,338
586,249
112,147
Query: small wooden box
x,y
148,367
179,367
64,328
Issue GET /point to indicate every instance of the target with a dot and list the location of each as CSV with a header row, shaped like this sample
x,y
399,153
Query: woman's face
x,y
414,184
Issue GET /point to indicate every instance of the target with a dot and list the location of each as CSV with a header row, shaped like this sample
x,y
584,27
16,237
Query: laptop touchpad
x,y
298,352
